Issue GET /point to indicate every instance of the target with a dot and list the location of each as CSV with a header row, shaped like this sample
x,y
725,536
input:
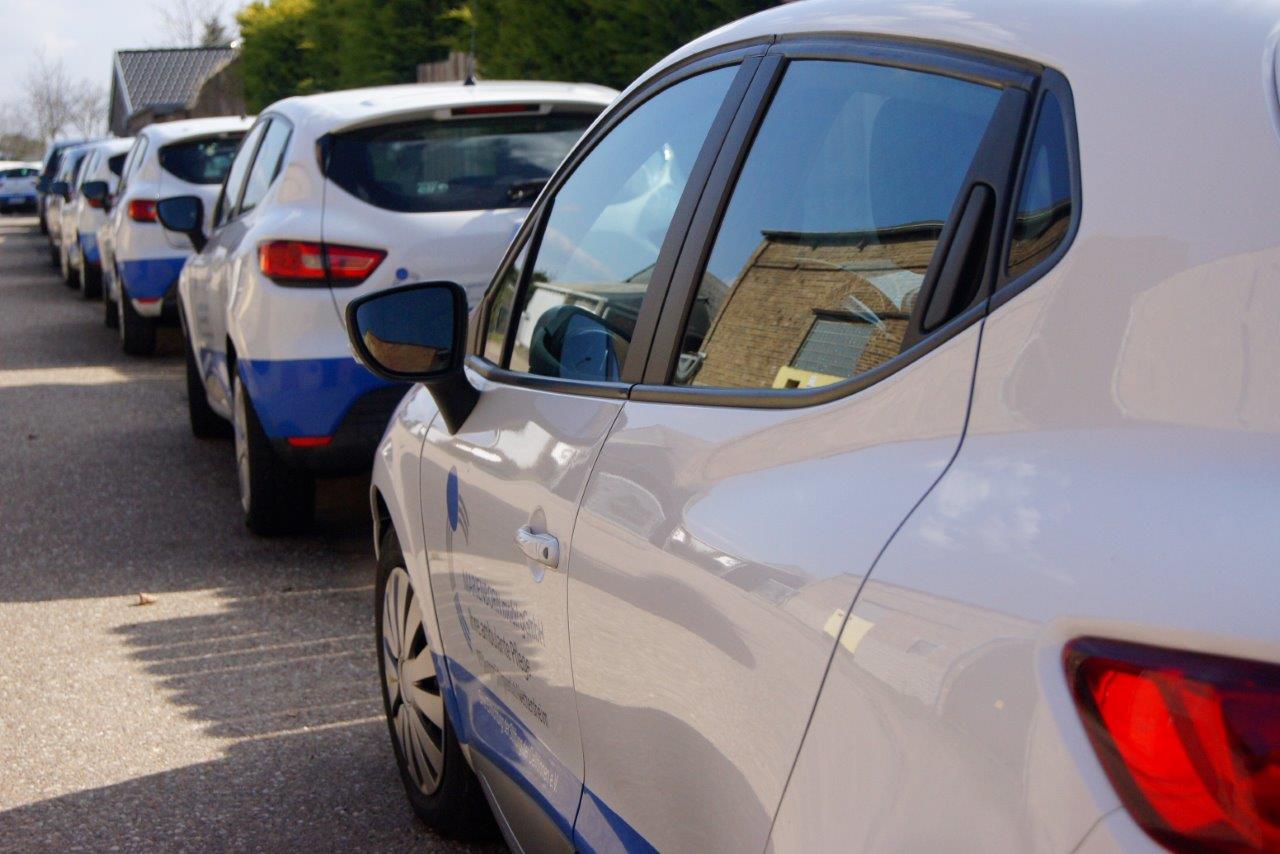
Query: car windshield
x,y
456,164
201,161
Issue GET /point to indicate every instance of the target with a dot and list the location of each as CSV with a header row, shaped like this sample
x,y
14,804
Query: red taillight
x,y
142,210
309,441
93,203
297,262
1191,742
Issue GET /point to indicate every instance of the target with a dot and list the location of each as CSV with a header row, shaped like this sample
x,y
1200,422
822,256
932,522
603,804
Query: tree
x,y
276,55
193,23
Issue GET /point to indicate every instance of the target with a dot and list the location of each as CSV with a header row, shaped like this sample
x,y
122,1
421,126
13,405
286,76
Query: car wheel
x,y
90,279
441,787
137,333
205,423
55,255
275,498
110,307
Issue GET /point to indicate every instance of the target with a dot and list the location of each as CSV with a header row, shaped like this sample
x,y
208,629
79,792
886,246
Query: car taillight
x,y
142,210
93,203
301,263
1191,742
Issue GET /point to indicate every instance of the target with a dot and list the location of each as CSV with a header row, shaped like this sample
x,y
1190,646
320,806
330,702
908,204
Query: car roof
x,y
163,133
355,106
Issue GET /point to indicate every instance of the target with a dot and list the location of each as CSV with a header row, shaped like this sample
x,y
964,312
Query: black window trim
x,y
233,213
1011,74
1007,287
747,56
284,152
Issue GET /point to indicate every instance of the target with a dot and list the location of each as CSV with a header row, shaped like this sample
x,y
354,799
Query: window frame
x,y
747,56
998,162
279,167
232,208
1008,286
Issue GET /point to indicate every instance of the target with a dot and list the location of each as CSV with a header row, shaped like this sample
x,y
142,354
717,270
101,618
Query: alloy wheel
x,y
411,684
240,423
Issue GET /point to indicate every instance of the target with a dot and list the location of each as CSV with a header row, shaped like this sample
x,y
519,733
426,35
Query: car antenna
x,y
471,58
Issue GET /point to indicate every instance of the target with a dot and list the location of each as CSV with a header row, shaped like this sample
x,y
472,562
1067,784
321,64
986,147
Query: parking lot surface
x,y
239,708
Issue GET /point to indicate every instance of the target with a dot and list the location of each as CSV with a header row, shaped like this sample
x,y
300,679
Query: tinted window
x,y
201,161
266,165
1044,203
833,223
134,163
24,172
604,233
498,322
237,173
116,163
454,165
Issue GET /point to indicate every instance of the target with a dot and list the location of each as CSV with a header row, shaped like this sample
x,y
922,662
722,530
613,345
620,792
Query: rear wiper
x,y
525,190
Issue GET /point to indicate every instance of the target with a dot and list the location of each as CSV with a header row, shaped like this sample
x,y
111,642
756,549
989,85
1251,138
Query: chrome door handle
x,y
543,548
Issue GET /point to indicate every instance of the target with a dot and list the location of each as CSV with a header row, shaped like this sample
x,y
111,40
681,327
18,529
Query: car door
x,y
563,329
207,276
808,384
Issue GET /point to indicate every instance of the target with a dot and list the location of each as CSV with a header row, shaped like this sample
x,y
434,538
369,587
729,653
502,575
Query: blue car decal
x,y
150,278
89,246
304,397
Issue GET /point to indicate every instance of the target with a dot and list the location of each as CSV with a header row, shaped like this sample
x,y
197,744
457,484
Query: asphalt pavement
x,y
239,709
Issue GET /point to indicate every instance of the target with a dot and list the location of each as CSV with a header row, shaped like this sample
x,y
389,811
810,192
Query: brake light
x,y
298,262
142,210
494,109
93,203
1191,742
309,441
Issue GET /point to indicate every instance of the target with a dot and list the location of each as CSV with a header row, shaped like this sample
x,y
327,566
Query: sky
x,y
83,33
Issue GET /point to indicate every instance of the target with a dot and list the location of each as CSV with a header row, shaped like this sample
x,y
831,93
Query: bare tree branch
x,y
192,23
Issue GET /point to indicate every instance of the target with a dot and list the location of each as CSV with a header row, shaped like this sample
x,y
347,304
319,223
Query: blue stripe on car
x,y
487,723
304,397
150,278
89,246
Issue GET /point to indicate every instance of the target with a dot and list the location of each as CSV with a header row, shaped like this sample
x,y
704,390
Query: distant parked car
x,y
333,197
85,212
52,162
60,193
140,260
18,186
930,501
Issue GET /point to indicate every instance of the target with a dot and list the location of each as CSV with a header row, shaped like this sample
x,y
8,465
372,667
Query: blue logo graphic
x,y
402,274
451,498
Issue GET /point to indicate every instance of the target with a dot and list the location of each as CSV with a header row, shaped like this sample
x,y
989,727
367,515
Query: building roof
x,y
161,79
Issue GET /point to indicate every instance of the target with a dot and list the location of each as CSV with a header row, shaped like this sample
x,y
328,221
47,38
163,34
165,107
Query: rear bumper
x,y
321,398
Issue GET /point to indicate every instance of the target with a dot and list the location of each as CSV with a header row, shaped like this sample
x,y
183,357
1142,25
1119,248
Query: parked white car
x,y
140,260
333,197
61,190
84,213
904,473
18,186
50,165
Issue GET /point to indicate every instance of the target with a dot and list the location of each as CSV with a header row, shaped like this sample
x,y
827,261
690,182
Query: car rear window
x,y
201,161
116,163
455,164
20,172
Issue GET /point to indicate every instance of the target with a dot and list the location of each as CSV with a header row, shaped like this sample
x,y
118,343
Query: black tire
x,y
55,256
90,279
457,808
275,498
110,312
205,423
137,333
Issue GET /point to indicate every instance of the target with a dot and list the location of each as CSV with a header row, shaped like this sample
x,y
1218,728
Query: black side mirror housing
x,y
98,193
42,184
417,333
185,215
61,188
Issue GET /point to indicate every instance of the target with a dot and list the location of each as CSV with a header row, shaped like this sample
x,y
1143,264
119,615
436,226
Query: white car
x,y
18,186
140,260
904,476
333,197
49,168
84,213
61,192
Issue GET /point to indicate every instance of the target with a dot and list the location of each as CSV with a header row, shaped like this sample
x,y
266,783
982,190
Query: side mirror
x,y
185,215
417,333
61,188
42,185
98,194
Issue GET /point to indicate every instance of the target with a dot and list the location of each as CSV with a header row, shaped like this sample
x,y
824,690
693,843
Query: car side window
x,y
266,165
831,228
1044,202
604,232
236,175
134,163
498,321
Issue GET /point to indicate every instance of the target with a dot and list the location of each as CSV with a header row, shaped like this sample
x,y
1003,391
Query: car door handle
x,y
543,548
